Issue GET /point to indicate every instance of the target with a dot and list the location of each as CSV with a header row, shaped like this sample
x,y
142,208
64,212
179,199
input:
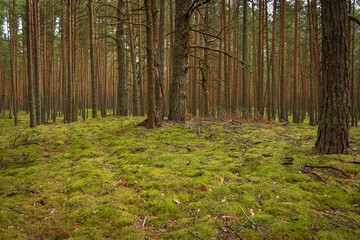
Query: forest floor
x,y
111,179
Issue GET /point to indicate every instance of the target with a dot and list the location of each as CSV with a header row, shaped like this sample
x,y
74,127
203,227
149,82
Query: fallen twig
x,y
27,190
195,235
143,224
255,225
187,148
328,167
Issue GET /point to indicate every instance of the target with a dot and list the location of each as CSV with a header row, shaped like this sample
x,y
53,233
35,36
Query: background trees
x,y
65,58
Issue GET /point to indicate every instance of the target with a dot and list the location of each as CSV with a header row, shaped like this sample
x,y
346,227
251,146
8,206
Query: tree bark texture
x,y
177,105
333,129
92,62
122,99
151,114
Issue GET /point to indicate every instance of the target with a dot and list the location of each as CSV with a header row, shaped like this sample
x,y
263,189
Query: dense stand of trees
x,y
255,59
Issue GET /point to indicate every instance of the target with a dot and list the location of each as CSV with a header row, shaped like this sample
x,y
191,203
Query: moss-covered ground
x,y
111,179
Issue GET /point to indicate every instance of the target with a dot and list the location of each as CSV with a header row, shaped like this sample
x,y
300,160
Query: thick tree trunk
x,y
333,129
177,111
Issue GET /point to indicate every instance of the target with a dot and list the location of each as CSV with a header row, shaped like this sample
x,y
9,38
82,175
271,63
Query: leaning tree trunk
x,y
177,105
333,129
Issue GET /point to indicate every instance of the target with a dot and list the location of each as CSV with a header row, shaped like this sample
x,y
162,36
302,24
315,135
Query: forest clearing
x,y
112,179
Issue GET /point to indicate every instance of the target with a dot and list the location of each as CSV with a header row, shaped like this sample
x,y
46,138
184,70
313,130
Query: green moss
x,y
99,179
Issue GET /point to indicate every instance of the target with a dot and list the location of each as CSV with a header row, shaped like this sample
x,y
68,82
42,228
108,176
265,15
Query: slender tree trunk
x,y
195,71
159,93
122,100
260,82
162,59
311,109
333,129
273,64
141,80
69,115
92,61
151,120
245,104
135,99
13,56
220,72
296,118
205,68
36,37
46,87
75,73
284,115
229,64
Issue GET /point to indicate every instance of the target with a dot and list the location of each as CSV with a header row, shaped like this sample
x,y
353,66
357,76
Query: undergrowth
x,y
111,179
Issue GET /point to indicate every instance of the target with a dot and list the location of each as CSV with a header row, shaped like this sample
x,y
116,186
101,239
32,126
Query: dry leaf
x,y
176,201
224,200
251,212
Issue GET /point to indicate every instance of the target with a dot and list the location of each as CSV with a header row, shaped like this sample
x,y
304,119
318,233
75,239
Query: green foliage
x,y
110,179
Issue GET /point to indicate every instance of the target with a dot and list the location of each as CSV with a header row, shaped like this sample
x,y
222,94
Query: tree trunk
x,y
296,118
245,104
151,114
195,72
69,112
177,105
273,64
311,109
260,82
36,37
205,69
135,99
13,56
159,92
122,99
284,115
141,79
333,129
161,112
92,61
